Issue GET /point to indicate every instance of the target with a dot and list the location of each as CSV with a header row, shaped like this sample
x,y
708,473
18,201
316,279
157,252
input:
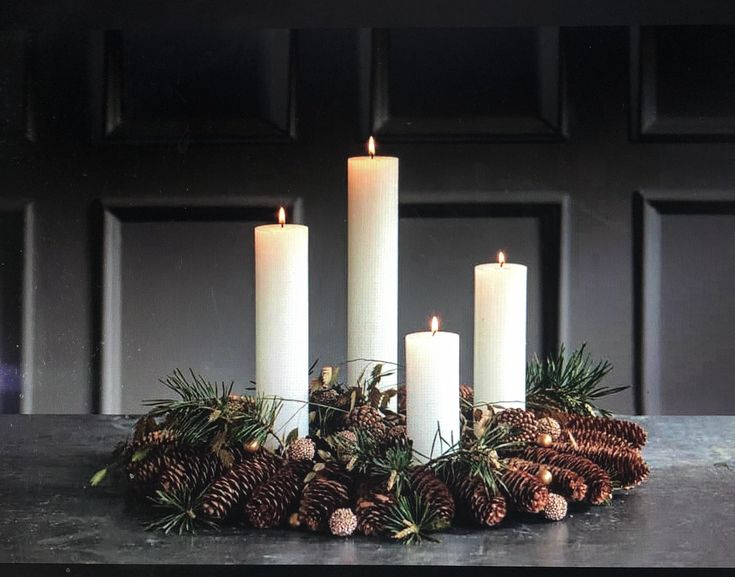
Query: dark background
x,y
138,148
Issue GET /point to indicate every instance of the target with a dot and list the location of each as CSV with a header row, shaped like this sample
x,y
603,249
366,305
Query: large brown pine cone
x,y
369,420
190,472
522,424
475,504
321,498
236,485
632,432
599,485
373,511
434,494
623,464
564,481
595,437
524,492
273,500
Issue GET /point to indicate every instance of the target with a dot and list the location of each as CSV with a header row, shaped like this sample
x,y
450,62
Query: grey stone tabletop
x,y
683,516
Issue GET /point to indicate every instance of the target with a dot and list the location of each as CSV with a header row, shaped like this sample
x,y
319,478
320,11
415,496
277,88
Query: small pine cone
x,y
624,465
599,485
190,474
321,498
237,484
524,491
633,433
475,504
549,426
522,424
369,420
564,481
402,399
466,393
343,522
301,449
242,403
373,511
397,433
346,438
328,397
273,500
434,493
556,508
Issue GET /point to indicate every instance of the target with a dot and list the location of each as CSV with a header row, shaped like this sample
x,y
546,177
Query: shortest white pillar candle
x,y
432,391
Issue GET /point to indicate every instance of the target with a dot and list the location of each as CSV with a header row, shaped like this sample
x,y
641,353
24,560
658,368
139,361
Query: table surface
x,y
683,516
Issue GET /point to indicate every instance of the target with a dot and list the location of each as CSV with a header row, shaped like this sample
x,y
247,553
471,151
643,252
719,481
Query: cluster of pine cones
x,y
557,459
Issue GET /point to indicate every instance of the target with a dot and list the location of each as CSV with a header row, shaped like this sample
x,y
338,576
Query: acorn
x,y
545,476
251,446
544,440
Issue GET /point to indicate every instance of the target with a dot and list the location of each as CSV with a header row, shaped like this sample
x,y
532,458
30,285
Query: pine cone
x,y
475,504
397,433
302,449
343,522
401,399
466,393
190,474
549,426
633,433
599,485
595,437
321,498
237,484
524,491
564,481
373,511
624,465
328,397
434,493
522,424
369,420
273,500
556,508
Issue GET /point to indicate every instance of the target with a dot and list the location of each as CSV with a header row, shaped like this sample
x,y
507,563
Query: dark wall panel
x,y
16,102
12,238
684,82
468,84
198,85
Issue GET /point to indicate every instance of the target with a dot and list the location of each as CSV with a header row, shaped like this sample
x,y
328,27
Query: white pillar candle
x,y
372,264
432,390
282,320
500,334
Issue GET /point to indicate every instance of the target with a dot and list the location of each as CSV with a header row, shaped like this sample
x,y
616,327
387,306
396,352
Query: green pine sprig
x,y
411,520
570,384
182,517
202,413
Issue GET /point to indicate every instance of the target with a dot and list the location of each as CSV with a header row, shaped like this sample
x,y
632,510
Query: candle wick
x,y
372,155
282,224
502,262
433,333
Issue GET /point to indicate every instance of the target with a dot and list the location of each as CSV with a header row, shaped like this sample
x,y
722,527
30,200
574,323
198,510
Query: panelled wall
x,y
135,164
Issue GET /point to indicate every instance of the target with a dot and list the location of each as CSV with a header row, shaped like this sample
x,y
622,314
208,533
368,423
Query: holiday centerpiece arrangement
x,y
364,454
210,456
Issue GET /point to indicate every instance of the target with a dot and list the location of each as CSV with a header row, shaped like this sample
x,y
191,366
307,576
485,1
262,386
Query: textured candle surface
x,y
500,334
372,293
282,321
432,391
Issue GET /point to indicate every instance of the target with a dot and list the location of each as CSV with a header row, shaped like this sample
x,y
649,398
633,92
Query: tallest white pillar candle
x,y
282,321
500,334
372,265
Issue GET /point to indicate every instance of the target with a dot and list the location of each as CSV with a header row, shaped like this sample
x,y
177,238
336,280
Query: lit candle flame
x,y
434,325
371,147
281,216
501,258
